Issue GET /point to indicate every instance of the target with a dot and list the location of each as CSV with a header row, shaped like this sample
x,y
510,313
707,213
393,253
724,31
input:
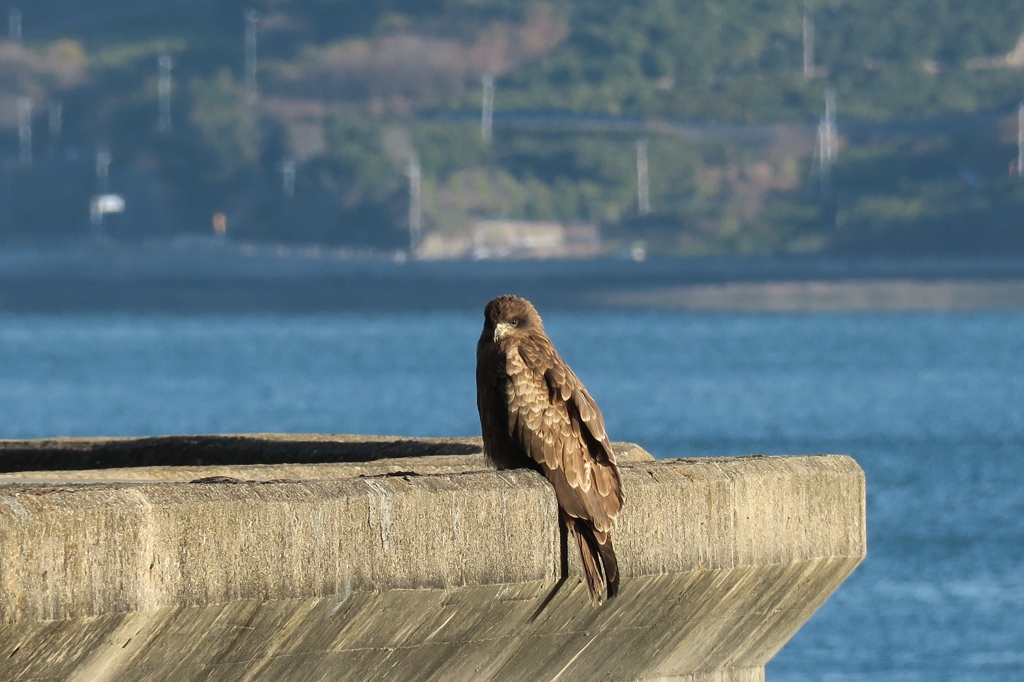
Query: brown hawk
x,y
535,412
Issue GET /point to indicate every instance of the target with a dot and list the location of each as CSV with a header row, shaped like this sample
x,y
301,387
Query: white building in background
x,y
530,239
486,239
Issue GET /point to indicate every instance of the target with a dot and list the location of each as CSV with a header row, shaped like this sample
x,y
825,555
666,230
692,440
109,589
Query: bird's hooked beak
x,y
501,329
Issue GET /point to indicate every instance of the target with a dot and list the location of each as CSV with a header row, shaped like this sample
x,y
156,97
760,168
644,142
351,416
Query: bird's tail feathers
x,y
611,566
600,566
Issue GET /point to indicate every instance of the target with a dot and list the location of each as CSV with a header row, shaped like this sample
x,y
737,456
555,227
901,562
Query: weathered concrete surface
x,y
414,572
247,457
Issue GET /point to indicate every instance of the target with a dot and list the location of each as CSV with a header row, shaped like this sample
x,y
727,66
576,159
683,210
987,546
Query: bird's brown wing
x,y
556,422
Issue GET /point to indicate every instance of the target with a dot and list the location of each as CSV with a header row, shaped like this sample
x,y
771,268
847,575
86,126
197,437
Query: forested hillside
x,y
349,93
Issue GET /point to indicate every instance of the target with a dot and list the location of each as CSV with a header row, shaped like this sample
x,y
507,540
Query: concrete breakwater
x,y
350,557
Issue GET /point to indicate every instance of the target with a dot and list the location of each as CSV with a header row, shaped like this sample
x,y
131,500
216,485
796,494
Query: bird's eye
x,y
514,323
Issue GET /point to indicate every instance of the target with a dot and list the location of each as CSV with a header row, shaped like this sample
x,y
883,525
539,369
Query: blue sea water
x,y
928,404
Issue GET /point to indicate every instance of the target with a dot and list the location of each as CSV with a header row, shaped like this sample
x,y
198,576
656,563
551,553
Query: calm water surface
x,y
929,405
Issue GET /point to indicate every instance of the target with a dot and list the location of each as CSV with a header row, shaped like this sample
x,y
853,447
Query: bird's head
x,y
508,317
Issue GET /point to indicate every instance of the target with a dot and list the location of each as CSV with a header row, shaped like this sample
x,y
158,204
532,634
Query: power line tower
x,y
415,209
643,186
827,142
487,110
287,211
809,68
25,131
1020,140
251,92
103,159
288,178
164,93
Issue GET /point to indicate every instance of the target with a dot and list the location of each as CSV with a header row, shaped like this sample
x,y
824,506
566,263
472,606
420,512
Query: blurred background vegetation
x,y
926,90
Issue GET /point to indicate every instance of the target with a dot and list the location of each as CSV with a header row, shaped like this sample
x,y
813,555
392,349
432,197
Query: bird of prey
x,y
535,412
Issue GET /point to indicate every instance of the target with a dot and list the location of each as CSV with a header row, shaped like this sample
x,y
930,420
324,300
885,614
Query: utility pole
x,y
287,211
103,159
830,123
97,207
163,89
251,93
809,70
487,110
827,147
1020,140
25,131
415,211
14,23
288,178
643,187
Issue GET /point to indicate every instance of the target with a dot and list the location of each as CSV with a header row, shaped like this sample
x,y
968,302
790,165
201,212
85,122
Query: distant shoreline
x,y
227,279
883,295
